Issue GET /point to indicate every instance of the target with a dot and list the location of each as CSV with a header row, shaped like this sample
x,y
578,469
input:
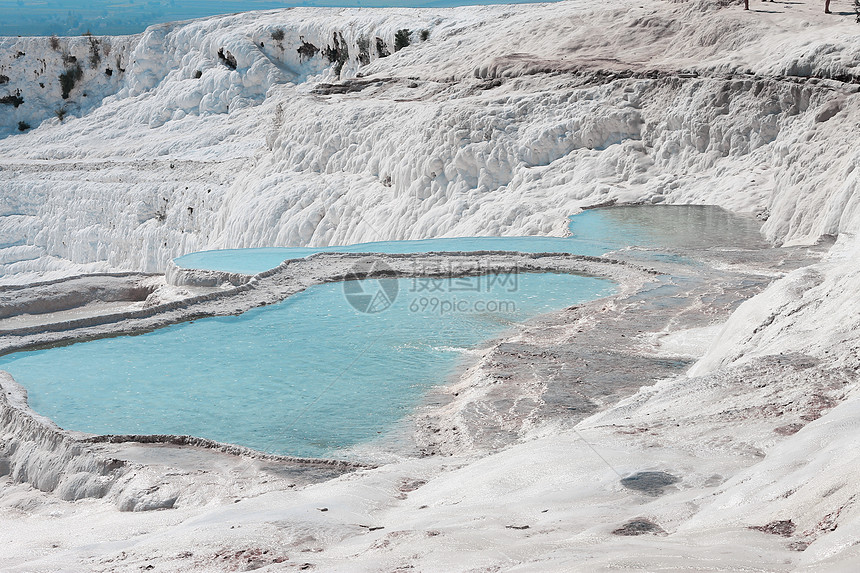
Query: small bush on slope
x,y
69,78
401,39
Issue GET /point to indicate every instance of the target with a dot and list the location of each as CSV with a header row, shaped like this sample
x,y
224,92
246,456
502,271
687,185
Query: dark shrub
x,y
307,50
363,51
401,39
337,53
381,50
69,78
95,56
12,99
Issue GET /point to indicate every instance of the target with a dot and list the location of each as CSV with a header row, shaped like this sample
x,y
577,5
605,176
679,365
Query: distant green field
x,y
118,17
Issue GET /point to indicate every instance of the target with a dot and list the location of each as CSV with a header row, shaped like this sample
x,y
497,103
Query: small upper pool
x,y
253,261
593,232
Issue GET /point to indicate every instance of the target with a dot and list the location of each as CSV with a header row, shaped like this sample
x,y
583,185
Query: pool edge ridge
x,y
36,451
294,276
71,465
222,447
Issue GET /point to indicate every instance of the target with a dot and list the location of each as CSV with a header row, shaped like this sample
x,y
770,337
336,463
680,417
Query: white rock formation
x,y
504,121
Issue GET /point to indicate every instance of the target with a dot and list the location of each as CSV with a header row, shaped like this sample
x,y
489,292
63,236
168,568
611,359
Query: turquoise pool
x,y
253,261
313,376
593,232
308,376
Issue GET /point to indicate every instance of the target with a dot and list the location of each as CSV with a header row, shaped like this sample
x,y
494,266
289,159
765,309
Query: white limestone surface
x,y
504,121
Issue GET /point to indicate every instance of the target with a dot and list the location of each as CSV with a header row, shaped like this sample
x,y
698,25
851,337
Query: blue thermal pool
x,y
312,375
308,376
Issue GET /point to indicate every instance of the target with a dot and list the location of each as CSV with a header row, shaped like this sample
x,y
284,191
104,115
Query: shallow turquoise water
x,y
308,376
593,232
312,375
252,261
